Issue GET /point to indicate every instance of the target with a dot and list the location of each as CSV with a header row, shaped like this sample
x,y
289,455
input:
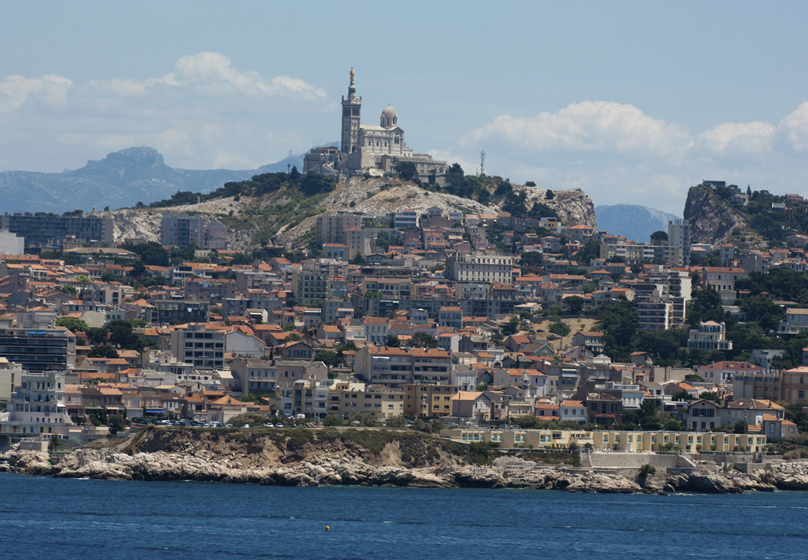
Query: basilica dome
x,y
389,118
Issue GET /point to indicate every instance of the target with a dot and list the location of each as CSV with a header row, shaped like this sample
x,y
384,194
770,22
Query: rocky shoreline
x,y
508,472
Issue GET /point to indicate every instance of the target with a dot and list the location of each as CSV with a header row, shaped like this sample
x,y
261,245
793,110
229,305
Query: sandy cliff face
x,y
713,221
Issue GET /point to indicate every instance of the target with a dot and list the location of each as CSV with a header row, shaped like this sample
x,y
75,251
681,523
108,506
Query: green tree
x,y
531,258
396,422
392,340
73,325
575,304
115,423
424,340
103,352
151,253
121,334
383,241
328,357
591,250
97,336
549,195
659,238
682,396
406,170
560,328
108,276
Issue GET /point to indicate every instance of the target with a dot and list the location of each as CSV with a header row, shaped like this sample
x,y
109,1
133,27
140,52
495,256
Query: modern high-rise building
x,y
679,237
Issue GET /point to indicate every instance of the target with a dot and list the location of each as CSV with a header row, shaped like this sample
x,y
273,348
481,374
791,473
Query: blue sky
x,y
633,103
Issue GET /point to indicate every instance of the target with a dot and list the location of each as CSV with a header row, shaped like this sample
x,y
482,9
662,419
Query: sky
x,y
633,102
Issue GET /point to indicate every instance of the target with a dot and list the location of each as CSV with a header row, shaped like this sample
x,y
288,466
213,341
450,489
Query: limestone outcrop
x,y
364,457
374,195
713,221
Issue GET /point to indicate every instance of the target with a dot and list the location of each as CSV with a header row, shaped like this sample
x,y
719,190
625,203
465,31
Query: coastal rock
x,y
27,460
703,482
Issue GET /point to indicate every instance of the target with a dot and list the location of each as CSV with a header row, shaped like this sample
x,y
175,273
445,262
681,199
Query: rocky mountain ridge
x,y
634,222
121,179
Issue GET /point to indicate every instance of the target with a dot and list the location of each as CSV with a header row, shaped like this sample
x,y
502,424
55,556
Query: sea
x,y
56,518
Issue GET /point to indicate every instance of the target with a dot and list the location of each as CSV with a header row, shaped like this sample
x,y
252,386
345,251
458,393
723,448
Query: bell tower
x,y
351,109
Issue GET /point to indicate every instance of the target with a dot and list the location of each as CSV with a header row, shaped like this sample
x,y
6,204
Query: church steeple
x,y
351,109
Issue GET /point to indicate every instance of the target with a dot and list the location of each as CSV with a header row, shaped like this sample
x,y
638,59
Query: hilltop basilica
x,y
369,148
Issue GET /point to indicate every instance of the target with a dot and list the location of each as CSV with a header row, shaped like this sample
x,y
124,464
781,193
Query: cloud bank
x,y
617,153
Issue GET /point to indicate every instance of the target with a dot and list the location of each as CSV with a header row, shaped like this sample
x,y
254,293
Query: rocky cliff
x,y
714,221
374,457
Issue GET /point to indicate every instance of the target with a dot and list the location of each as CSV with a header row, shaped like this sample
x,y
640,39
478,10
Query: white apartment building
x,y
479,267
37,408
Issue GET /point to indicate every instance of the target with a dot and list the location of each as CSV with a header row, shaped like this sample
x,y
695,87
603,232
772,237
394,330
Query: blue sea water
x,y
88,519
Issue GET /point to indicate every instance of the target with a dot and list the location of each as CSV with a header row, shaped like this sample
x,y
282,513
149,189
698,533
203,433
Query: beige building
x,y
686,442
379,402
332,226
428,400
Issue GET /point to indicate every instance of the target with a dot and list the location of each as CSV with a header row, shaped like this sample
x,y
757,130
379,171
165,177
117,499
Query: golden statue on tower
x,y
352,75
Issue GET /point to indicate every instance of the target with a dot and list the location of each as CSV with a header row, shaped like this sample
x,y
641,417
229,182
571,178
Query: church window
x,y
396,140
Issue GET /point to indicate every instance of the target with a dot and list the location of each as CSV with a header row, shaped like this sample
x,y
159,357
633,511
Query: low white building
x,y
36,408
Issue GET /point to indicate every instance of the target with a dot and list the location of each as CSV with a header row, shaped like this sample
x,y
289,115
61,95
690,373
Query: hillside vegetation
x,y
282,207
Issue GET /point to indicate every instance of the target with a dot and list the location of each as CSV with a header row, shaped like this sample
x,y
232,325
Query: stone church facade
x,y
365,148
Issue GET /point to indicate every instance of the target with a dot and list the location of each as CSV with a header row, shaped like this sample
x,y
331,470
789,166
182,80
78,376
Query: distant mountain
x,y
121,179
635,222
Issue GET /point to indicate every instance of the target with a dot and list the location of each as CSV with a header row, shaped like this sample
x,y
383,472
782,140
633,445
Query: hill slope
x,y
121,179
270,208
635,222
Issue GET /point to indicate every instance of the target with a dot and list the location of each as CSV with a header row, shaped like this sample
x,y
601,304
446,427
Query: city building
x,y
479,267
199,346
679,238
709,336
50,231
180,229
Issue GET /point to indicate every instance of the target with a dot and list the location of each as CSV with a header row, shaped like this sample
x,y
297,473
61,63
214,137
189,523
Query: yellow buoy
x,y
327,528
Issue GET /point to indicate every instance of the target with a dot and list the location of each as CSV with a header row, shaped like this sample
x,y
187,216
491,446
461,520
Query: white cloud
x,y
213,73
204,113
618,154
590,126
752,138
794,127
50,89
